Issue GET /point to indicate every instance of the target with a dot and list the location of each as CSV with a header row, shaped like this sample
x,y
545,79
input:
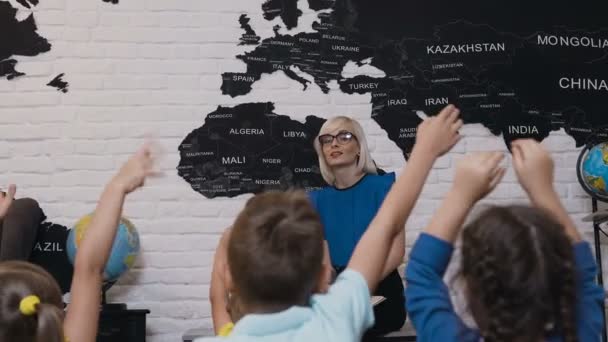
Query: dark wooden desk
x,y
122,325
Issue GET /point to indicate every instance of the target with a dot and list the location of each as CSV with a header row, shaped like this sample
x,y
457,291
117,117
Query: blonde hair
x,y
365,162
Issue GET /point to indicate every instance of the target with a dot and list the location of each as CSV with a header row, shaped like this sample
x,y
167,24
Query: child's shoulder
x,y
350,283
347,301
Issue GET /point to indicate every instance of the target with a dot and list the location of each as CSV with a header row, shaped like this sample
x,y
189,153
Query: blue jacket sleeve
x,y
428,300
590,296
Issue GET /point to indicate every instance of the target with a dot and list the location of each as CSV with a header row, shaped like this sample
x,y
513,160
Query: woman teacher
x,y
348,205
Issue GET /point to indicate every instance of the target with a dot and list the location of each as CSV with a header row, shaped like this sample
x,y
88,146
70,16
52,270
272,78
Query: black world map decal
x,y
249,148
520,69
20,38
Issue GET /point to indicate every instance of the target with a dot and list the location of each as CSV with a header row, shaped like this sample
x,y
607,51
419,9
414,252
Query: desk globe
x,y
124,250
592,171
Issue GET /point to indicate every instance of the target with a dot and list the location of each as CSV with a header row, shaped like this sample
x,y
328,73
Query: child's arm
x,y
476,176
534,168
218,292
435,137
395,254
83,312
397,249
428,300
327,275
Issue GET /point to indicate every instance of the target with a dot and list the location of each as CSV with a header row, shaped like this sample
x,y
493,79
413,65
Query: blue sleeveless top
x,y
346,213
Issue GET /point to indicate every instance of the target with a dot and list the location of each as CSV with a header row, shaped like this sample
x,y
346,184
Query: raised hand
x,y
437,135
134,172
82,316
477,175
534,169
6,199
533,166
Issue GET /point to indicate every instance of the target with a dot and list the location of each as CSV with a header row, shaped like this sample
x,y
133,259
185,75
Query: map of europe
x,y
521,70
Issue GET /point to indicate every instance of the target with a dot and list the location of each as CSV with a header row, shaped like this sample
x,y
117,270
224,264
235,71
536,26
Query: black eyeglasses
x,y
343,138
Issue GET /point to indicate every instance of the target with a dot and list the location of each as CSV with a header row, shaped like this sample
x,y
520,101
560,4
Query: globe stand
x,y
118,323
598,257
598,217
105,306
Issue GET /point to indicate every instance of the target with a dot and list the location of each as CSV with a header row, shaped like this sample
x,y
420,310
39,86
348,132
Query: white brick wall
x,y
154,66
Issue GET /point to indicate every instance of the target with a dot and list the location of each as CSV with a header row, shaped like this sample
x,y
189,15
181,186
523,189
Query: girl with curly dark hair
x,y
528,274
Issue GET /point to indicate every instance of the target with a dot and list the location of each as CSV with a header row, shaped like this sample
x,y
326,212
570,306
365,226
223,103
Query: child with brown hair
x,y
31,306
276,247
528,274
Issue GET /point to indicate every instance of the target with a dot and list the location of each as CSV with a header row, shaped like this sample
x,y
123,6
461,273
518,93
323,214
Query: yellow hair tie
x,y
226,329
27,306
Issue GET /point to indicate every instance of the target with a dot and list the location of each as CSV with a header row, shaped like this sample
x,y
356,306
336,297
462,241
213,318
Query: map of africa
x,y
521,70
249,148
